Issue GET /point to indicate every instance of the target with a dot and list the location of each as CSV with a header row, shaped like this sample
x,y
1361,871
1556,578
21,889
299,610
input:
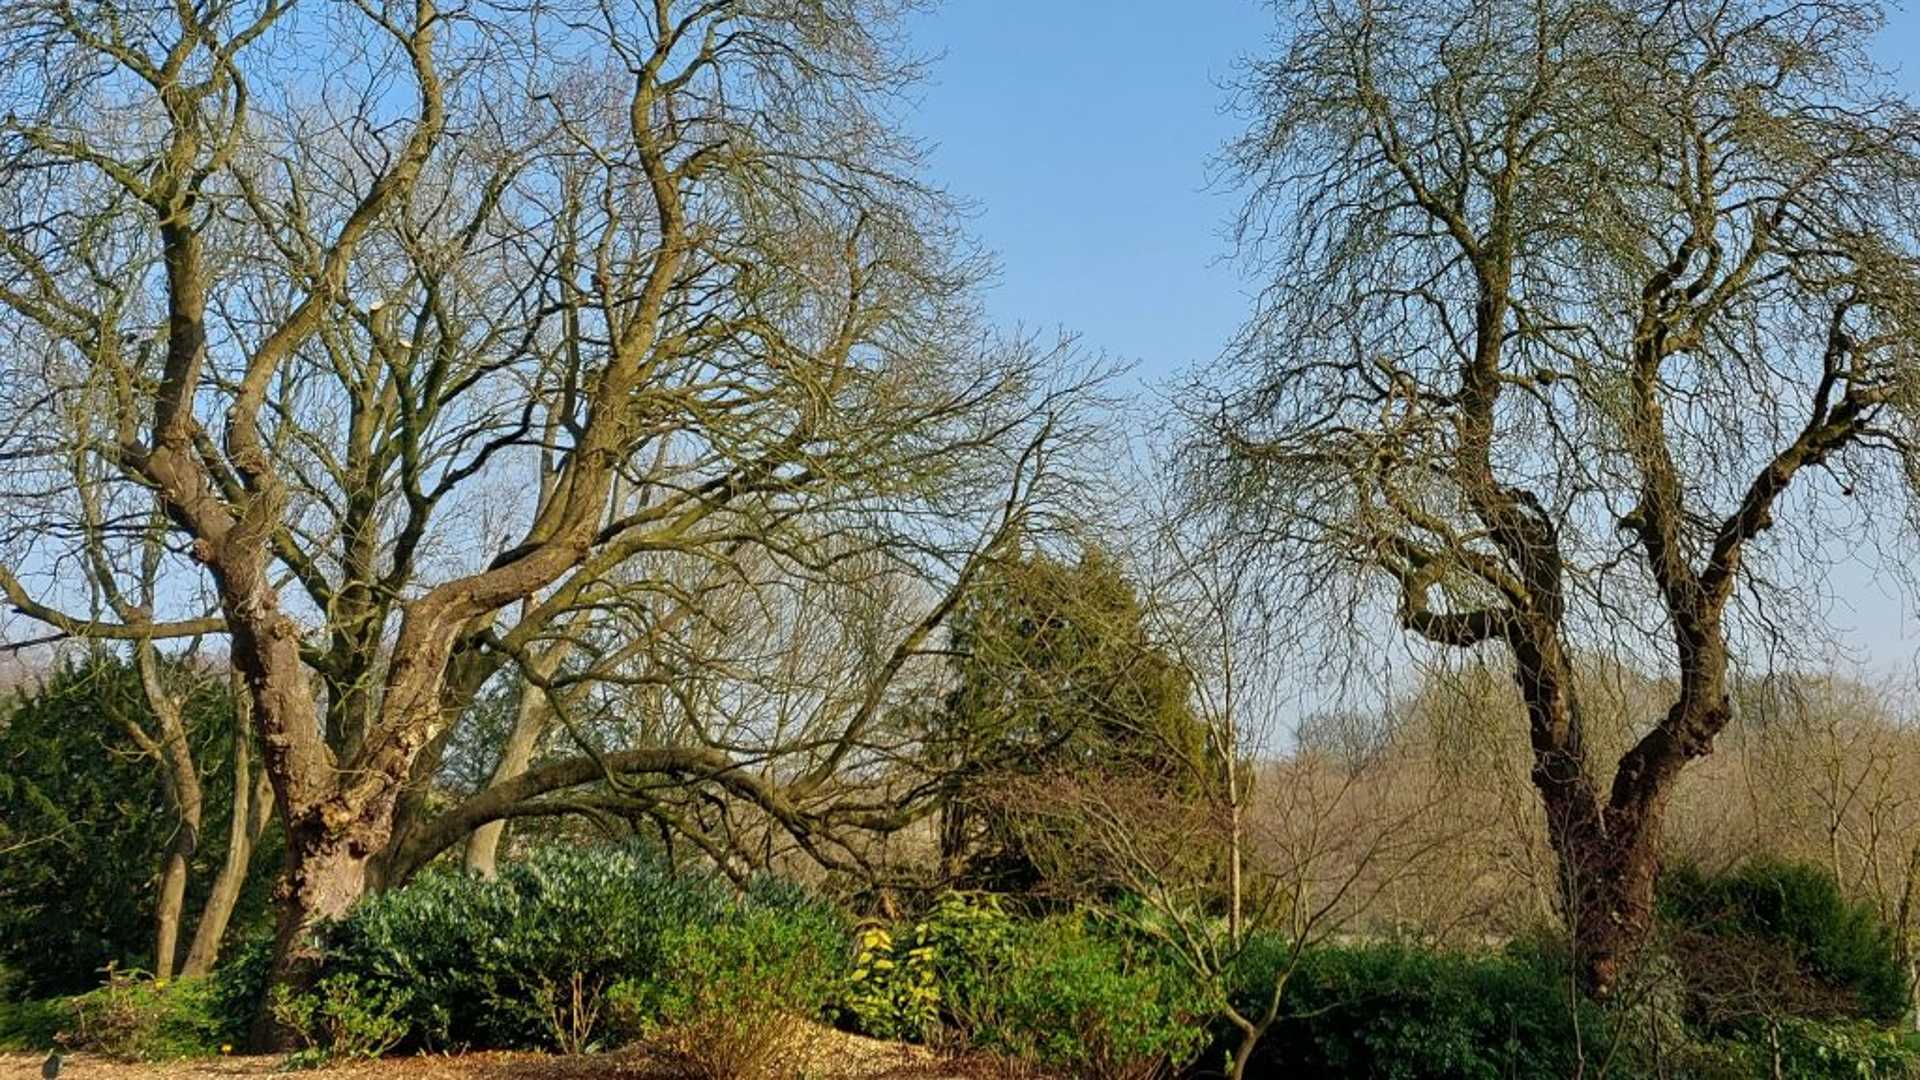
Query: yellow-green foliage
x,y
906,982
892,993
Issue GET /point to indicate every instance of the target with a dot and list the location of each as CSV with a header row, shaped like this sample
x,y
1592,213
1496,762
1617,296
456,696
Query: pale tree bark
x,y
531,721
181,782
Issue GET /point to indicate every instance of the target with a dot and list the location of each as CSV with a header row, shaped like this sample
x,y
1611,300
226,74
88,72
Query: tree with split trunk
x,y
116,866
120,555
1588,326
430,329
160,734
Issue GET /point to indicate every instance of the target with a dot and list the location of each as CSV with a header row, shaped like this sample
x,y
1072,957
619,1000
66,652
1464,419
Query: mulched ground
x,y
832,1056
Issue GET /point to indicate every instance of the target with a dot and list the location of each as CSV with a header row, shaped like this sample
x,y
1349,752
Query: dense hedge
x,y
1772,939
533,958
87,823
1398,1011
575,949
1403,1012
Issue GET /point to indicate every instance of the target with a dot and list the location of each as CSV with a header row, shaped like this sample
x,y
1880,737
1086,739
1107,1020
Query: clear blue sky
x,y
1081,131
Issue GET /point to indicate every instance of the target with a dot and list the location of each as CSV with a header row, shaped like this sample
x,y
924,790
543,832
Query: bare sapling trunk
x,y
170,903
169,749
530,722
252,808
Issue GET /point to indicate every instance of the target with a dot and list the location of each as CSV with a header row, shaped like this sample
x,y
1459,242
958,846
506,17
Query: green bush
x,y
87,821
1067,993
1073,995
729,996
28,1027
1401,1012
891,992
528,959
1803,1049
1780,939
471,962
342,1017
238,988
141,1019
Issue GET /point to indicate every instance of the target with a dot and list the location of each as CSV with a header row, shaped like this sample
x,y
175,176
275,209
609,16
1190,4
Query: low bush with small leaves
x,y
141,1019
238,986
1077,996
1802,1049
30,1026
342,1016
731,997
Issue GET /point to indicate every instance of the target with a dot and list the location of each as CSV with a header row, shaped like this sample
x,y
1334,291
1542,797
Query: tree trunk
x,y
252,806
170,902
181,782
1251,1031
1913,988
483,847
409,815
326,874
1235,889
339,817
530,720
1608,851
1608,883
1242,1055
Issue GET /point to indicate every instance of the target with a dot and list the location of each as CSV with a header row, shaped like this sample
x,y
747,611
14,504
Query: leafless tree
x,y
109,536
1590,327
409,317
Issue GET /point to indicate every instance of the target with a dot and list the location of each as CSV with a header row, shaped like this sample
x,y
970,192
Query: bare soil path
x,y
835,1057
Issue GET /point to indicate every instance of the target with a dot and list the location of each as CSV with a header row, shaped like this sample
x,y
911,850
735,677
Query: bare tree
x,y
468,309
1591,327
1315,845
111,537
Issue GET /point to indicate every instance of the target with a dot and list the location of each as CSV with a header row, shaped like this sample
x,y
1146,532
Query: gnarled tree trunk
x,y
1608,850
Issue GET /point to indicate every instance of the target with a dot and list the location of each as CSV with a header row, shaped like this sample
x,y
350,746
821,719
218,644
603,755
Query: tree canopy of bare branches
x,y
389,337
1590,326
